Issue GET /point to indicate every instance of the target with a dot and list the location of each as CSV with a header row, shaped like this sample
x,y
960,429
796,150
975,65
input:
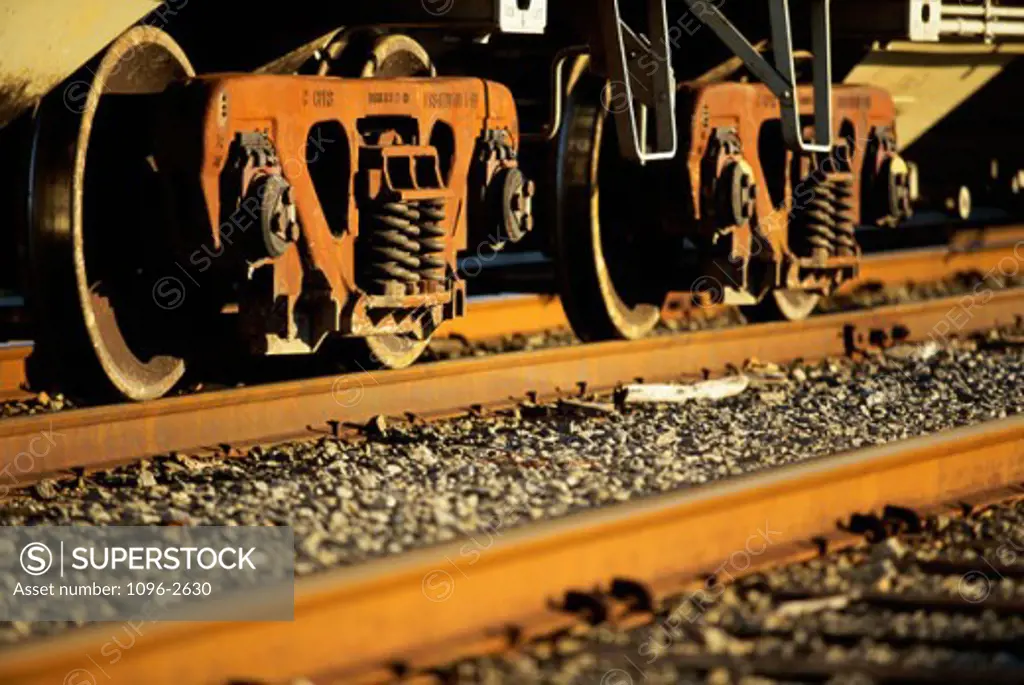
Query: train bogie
x,y
310,206
312,188
757,221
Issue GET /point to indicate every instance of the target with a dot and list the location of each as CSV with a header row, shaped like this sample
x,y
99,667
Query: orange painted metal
x,y
12,371
497,318
412,609
783,185
392,133
302,409
747,108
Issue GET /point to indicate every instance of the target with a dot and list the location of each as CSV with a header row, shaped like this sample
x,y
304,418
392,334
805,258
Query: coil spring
x,y
817,221
842,207
391,249
432,240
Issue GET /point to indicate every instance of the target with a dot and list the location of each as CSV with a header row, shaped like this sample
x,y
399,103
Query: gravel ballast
x,y
39,404
416,485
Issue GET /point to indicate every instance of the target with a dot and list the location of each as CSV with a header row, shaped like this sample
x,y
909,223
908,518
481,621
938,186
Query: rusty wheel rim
x,y
142,61
783,305
394,351
795,305
596,264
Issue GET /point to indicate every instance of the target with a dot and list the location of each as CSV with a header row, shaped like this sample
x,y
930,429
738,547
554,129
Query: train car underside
x,y
327,205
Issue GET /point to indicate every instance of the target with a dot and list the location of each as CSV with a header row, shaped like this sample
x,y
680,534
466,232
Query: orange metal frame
x,y
747,108
287,108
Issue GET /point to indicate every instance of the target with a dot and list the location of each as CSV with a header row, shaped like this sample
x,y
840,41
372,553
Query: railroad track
x,y
233,419
402,615
970,249
973,249
120,433
431,168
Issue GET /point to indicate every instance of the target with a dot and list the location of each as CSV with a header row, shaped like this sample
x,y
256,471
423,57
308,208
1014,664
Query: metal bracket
x,y
924,20
515,16
643,85
781,77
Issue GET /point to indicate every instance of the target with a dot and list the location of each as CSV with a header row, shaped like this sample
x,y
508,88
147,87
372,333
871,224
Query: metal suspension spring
x,y
391,254
842,207
432,240
817,222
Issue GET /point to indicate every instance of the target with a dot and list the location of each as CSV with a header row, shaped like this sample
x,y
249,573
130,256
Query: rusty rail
x,y
979,249
924,265
424,607
94,437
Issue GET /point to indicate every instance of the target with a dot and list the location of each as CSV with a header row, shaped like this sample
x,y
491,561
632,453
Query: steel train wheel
x,y
97,224
783,305
365,56
604,273
385,351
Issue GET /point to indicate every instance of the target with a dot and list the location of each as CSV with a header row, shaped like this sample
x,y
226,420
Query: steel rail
x,y
980,249
928,264
977,251
413,609
95,437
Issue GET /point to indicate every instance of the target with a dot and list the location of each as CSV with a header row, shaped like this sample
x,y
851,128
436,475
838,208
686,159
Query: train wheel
x,y
97,225
365,53
376,56
604,272
783,305
379,352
